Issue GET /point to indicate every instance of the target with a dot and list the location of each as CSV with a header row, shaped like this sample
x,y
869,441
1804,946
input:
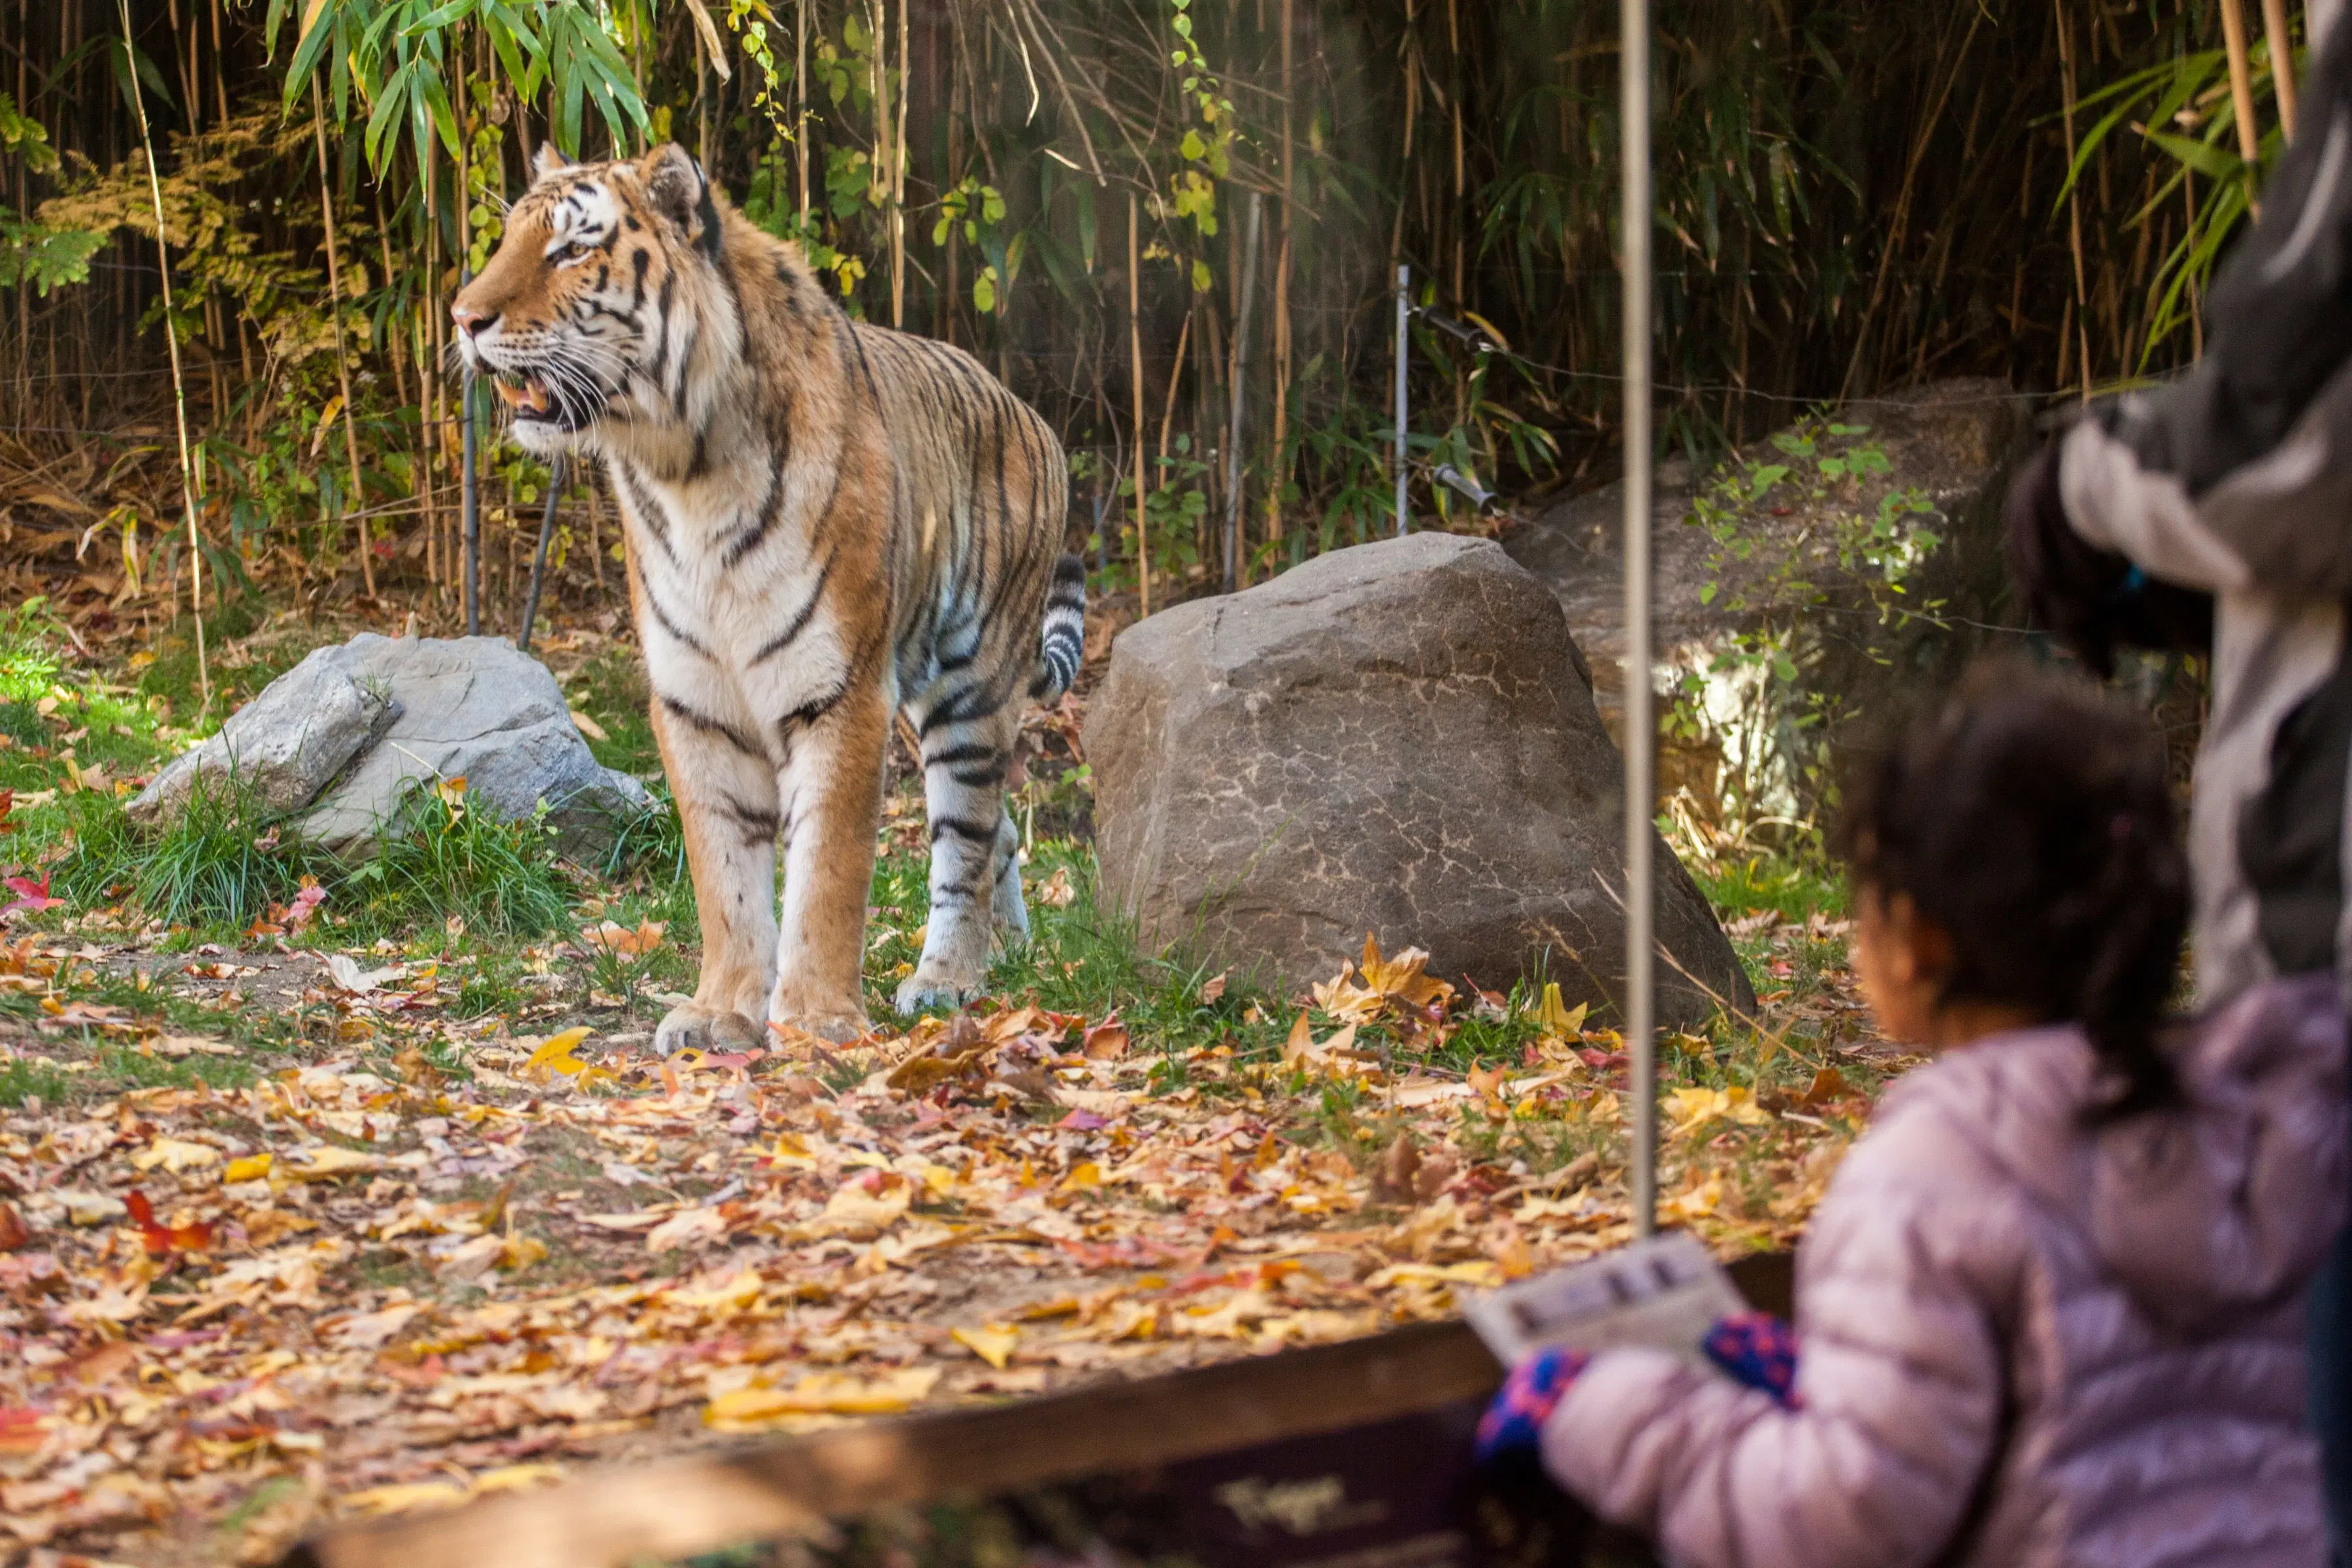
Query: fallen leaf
x,y
31,896
174,1155
1555,1017
332,1161
248,1168
624,942
14,1234
161,1239
588,727
553,1054
1214,987
992,1342
88,1208
347,974
821,1394
872,1201
687,1228
1105,1041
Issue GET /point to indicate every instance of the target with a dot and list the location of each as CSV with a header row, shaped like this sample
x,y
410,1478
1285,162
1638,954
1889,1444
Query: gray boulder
x,y
337,741
1780,618
1398,737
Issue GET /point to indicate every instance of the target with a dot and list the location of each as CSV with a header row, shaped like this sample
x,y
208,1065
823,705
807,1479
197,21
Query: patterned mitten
x,y
1758,1350
1536,1386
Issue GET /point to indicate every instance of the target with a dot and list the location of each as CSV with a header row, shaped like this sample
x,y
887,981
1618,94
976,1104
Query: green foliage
x,y
28,652
37,254
442,856
2190,93
1759,699
214,866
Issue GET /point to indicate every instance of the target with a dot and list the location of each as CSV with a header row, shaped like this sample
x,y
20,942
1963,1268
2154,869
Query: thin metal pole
x,y
470,493
1404,309
1241,383
556,479
1641,738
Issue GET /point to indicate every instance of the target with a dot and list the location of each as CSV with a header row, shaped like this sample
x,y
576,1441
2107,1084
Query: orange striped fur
x,y
828,522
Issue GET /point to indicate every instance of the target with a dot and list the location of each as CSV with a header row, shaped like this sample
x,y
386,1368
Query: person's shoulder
x,y
2002,1116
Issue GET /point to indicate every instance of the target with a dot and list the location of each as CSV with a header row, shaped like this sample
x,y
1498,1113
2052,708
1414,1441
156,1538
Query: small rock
x,y
344,737
286,745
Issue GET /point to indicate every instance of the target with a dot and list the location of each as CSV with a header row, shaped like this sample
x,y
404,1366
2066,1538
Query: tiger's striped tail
x,y
1064,638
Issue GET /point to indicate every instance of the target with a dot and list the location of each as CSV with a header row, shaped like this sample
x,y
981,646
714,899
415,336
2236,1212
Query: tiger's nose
x,y
471,322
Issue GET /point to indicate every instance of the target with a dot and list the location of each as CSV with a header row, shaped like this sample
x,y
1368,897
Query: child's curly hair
x,y
2029,819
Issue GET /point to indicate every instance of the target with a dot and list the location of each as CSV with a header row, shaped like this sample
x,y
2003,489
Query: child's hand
x,y
1758,1350
1536,1386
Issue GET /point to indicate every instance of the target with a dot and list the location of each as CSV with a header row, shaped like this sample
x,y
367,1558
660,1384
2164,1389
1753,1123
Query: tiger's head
x,y
603,294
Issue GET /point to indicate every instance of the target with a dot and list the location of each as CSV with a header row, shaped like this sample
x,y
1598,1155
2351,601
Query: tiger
x,y
830,524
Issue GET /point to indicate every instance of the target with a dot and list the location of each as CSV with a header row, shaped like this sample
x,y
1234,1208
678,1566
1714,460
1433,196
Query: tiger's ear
x,y
547,162
680,193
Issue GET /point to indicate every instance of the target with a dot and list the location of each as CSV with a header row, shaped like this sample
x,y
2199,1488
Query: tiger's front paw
x,y
920,992
692,1026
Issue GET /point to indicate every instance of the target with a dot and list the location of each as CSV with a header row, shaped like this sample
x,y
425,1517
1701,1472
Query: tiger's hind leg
x,y
965,760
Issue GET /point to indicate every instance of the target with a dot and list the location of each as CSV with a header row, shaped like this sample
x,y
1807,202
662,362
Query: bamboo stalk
x,y
343,355
1282,305
800,110
2241,79
179,379
2074,199
898,181
1135,353
2281,51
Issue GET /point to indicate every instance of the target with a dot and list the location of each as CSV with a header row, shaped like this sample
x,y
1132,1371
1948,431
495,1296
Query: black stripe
x,y
661,315
783,640
809,712
968,752
758,826
662,619
720,727
974,702
649,508
750,539
989,778
969,832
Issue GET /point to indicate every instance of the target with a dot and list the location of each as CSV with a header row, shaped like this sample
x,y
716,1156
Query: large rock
x,y
1776,620
338,742
1398,737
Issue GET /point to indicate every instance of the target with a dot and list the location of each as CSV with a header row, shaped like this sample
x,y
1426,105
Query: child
x,y
2050,1311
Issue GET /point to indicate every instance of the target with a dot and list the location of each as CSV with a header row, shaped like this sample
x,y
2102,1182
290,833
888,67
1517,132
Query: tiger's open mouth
x,y
527,395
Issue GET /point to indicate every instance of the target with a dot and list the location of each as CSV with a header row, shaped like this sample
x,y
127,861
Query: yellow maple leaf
x,y
553,1054
248,1168
1085,1174
1401,978
992,1342
1555,1016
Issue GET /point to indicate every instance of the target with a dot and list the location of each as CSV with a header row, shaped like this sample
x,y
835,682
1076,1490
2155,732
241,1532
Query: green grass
x,y
440,859
206,868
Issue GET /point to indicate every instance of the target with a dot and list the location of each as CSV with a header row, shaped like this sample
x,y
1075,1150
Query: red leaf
x,y
31,894
22,1430
13,1233
162,1238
